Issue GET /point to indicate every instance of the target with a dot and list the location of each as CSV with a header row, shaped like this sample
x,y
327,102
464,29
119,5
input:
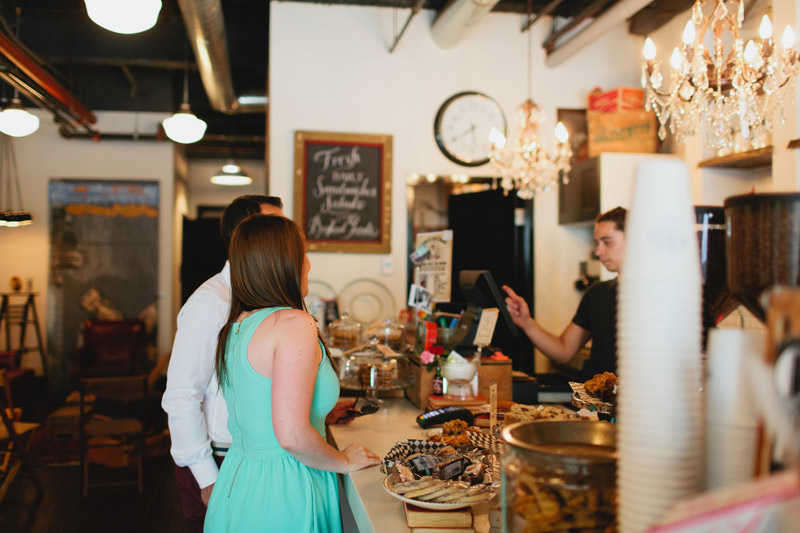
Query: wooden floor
x,y
120,509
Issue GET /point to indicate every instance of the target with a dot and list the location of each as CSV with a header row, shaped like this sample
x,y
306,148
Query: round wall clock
x,y
462,127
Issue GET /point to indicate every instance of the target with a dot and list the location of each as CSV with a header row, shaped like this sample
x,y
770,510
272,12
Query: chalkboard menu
x,y
342,193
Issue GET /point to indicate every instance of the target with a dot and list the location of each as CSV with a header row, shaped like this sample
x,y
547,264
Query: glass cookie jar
x,y
344,333
387,332
559,476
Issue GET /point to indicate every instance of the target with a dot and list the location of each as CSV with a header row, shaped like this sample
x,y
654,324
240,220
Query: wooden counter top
x,y
373,509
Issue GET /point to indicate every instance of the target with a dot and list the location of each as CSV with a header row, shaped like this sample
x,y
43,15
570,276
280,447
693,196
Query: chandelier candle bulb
x,y
722,90
649,50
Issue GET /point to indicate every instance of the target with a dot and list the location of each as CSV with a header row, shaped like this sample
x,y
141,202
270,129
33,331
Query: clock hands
x,y
470,130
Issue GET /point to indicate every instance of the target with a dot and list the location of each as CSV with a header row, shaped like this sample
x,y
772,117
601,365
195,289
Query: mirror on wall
x,y
492,231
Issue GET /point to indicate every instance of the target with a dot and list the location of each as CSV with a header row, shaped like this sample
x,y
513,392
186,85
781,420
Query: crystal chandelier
x,y
527,166
722,92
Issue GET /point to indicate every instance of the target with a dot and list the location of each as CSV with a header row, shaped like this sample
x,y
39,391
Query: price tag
x,y
483,337
492,407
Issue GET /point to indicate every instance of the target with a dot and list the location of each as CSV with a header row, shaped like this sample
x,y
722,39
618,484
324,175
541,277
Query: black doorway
x,y
493,231
203,256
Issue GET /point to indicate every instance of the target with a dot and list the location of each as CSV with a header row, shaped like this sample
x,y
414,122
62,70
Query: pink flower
x,y
427,357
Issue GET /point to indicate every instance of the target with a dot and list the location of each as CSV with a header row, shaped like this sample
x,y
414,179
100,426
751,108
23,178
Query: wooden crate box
x,y
623,131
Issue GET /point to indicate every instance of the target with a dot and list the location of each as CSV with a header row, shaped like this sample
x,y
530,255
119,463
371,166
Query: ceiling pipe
x,y
36,73
615,15
205,26
456,18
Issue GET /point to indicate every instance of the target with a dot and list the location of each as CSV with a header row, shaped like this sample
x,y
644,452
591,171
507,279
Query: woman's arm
x,y
294,369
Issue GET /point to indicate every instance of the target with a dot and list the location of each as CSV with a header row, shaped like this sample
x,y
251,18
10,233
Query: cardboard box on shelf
x,y
624,131
618,99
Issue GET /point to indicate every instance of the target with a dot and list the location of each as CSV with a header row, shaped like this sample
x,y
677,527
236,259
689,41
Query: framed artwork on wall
x,y
343,191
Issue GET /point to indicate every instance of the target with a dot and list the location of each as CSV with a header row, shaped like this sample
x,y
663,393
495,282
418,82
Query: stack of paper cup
x,y
731,416
660,412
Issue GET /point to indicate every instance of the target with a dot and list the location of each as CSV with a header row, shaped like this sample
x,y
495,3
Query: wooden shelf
x,y
751,159
794,143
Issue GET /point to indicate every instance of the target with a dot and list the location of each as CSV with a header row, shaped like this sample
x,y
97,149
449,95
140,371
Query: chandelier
x,y
526,165
724,93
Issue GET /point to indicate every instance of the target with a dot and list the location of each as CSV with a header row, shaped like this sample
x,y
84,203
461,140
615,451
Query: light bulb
x,y
688,33
231,175
561,133
765,29
787,39
750,52
431,178
649,50
677,59
497,138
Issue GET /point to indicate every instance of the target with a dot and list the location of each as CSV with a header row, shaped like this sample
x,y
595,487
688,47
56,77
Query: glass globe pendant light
x,y
124,16
184,127
15,121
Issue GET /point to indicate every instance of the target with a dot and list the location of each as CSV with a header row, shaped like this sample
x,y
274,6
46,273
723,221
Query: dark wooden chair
x,y
111,348
15,437
117,419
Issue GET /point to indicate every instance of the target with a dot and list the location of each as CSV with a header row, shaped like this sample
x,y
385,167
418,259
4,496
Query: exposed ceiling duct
x,y
617,14
205,26
456,18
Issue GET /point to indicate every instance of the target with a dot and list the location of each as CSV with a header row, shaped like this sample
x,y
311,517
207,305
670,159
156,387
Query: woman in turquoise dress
x,y
279,473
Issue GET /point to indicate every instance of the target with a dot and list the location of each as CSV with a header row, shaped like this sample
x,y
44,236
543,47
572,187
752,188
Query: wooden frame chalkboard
x,y
343,191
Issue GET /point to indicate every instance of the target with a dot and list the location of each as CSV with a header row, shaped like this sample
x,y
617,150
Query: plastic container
x,y
558,476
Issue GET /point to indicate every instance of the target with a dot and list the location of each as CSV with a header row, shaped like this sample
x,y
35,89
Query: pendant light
x,y
124,16
184,127
10,216
17,122
14,120
231,174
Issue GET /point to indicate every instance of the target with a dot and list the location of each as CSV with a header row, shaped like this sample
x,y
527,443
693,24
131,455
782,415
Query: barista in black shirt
x,y
596,314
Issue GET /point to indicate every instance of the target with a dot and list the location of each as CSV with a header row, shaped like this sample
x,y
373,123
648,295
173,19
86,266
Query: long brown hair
x,y
267,253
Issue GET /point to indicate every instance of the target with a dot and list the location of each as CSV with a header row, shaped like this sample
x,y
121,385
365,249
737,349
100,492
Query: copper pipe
x,y
45,80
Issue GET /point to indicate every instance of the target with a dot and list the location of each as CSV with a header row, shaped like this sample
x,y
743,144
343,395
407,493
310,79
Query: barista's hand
x,y
517,308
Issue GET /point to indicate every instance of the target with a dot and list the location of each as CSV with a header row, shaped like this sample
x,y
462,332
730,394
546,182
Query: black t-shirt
x,y
597,314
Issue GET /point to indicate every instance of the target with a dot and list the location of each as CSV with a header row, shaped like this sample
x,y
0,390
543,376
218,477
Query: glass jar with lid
x,y
344,333
560,473
387,332
374,368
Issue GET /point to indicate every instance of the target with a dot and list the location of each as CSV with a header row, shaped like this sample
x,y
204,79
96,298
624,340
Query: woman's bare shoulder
x,y
294,321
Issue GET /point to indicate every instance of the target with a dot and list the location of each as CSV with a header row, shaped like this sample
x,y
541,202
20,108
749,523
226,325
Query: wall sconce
x,y
124,16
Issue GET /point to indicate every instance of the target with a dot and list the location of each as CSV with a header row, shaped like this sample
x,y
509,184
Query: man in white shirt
x,y
195,406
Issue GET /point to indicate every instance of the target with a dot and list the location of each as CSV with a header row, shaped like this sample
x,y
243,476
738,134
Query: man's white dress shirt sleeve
x,y
191,381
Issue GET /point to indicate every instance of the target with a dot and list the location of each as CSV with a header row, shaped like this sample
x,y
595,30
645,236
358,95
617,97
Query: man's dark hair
x,y
241,208
616,215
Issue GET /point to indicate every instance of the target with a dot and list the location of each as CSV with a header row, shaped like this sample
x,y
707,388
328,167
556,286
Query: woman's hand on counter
x,y
338,414
358,457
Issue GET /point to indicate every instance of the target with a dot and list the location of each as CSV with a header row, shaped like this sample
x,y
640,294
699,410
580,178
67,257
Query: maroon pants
x,y
194,510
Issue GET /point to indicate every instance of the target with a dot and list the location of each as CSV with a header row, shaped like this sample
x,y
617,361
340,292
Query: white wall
x,y
44,155
330,70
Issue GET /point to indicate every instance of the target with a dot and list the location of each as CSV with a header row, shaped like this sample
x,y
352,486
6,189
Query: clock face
x,y
462,127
